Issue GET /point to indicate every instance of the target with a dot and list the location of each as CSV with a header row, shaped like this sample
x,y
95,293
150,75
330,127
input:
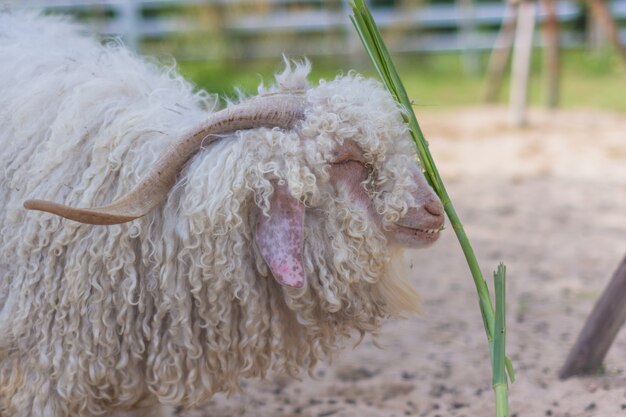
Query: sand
x,y
550,201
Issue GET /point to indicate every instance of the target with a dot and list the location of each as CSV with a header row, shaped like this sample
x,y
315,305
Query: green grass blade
x,y
375,47
499,367
509,369
381,59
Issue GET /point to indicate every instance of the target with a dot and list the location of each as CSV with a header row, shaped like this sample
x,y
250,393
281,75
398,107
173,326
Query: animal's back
x,y
74,112
65,97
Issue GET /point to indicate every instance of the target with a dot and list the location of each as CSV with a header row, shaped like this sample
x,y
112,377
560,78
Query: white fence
x,y
257,28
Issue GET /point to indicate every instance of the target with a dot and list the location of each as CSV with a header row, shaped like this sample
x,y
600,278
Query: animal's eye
x,y
348,161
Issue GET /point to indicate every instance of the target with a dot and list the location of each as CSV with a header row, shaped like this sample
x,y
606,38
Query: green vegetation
x,y
499,365
438,81
494,326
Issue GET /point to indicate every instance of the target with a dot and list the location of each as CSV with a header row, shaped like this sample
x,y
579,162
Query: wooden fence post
x,y
500,53
467,31
522,51
603,16
129,11
601,328
551,54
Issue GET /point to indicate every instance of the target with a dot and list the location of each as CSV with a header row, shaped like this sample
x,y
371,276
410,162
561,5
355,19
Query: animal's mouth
x,y
414,236
407,229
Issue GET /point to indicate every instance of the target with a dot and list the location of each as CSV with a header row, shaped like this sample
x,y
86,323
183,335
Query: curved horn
x,y
270,110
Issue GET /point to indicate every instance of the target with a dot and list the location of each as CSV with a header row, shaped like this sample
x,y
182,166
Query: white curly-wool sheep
x,y
180,303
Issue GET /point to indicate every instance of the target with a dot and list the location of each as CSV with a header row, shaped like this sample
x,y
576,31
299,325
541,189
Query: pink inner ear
x,y
280,238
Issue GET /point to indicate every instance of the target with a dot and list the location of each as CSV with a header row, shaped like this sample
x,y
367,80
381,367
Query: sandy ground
x,y
550,201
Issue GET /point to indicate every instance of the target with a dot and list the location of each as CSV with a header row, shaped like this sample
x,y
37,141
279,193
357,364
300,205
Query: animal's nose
x,y
434,207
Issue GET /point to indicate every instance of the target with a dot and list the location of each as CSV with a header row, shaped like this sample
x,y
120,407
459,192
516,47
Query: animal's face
x,y
355,178
351,180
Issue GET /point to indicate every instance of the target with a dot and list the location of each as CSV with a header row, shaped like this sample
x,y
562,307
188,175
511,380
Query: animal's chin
x,y
414,237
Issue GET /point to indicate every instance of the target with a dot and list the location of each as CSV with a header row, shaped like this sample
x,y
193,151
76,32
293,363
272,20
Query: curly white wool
x,y
177,305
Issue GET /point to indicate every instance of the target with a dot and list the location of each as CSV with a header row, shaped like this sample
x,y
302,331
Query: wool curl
x,y
177,305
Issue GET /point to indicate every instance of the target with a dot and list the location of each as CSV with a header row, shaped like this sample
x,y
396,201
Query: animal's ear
x,y
279,237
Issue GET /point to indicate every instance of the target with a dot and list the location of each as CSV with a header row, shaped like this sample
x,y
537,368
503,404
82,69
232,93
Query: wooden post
x,y
603,16
601,328
351,39
521,61
130,10
551,54
467,32
595,35
500,54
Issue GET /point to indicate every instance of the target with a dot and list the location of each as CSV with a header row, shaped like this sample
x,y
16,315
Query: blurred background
x,y
443,47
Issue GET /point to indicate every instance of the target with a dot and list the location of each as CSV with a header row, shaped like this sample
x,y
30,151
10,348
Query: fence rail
x,y
270,27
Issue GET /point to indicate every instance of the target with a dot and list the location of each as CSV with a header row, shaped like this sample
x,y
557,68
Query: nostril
x,y
434,207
